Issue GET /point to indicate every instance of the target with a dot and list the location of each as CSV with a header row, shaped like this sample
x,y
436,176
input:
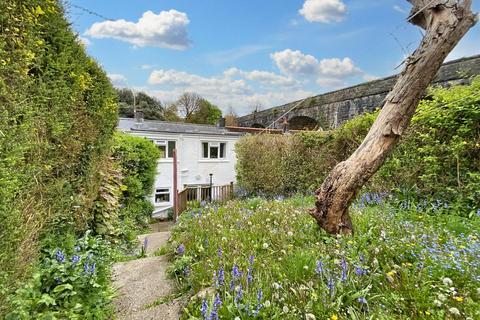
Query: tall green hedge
x,y
57,116
438,158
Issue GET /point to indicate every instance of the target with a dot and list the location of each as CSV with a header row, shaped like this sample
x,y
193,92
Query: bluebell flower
x,y
249,275
331,285
92,268
75,259
221,277
220,253
60,256
478,213
362,300
186,271
217,302
344,269
359,271
239,294
86,267
232,285
319,267
236,272
181,249
259,302
77,248
250,260
204,309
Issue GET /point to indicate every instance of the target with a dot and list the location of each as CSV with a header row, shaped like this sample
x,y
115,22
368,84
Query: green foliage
x,y
207,113
416,266
57,116
137,159
71,281
440,155
438,158
152,108
274,164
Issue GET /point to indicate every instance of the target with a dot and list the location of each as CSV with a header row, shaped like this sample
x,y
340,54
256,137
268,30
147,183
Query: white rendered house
x,y
202,150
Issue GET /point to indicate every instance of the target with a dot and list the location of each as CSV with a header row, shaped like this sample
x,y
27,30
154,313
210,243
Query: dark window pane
x,y
162,195
222,150
171,147
162,151
213,152
205,149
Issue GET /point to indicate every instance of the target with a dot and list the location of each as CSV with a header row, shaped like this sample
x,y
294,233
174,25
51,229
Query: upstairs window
x,y
162,195
166,148
214,150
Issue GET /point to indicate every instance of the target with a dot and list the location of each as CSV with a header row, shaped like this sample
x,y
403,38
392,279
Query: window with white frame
x,y
166,148
162,195
214,150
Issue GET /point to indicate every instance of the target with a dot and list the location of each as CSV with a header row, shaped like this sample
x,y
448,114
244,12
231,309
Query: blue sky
x,y
239,54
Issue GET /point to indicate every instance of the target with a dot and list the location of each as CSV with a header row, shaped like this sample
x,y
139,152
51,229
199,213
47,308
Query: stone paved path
x,y
142,282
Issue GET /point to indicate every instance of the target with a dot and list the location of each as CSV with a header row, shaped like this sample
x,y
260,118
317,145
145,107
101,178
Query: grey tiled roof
x,y
128,124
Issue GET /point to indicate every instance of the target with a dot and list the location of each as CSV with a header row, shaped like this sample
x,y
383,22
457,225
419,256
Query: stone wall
x,y
333,108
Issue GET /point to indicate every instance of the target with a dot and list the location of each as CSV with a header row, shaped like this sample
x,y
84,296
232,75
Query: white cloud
x,y
324,11
117,80
329,72
293,62
166,30
264,77
234,87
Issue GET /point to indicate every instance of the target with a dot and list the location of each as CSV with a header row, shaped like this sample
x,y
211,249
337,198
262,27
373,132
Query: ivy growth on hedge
x,y
57,116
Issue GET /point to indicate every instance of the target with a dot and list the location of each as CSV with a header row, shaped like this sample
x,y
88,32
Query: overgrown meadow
x,y
259,259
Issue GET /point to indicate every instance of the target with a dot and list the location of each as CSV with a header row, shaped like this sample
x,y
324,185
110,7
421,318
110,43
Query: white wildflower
x,y
441,297
237,318
305,267
290,233
285,309
310,316
267,304
265,246
249,223
447,281
276,286
437,303
454,311
224,239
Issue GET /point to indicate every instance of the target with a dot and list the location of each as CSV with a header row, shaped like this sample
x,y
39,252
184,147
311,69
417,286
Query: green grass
x,y
413,265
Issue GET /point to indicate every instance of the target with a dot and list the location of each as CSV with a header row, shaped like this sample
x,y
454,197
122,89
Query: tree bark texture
x,y
445,22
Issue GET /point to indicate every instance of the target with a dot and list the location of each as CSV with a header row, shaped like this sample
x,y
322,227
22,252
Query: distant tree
x,y
170,113
207,113
187,104
152,108
231,118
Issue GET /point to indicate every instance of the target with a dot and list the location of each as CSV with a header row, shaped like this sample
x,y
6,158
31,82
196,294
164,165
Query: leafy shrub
x,y
438,158
71,281
137,159
57,116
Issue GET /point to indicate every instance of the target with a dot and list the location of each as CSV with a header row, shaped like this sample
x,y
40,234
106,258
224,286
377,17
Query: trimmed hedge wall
x,y
438,158
57,115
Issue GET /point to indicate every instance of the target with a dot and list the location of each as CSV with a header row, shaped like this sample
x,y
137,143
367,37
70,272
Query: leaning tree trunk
x,y
445,23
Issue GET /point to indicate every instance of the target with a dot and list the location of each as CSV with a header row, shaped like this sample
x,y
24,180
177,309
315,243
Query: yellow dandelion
x,y
458,299
427,313
334,317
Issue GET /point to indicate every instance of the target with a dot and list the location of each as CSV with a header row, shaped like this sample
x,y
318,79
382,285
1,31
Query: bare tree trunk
x,y
445,23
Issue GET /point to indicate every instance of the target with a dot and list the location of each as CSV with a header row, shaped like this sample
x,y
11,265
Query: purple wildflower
x,y
236,272
362,300
344,269
181,249
319,267
478,213
250,275
220,253
232,285
204,309
186,271
239,294
221,277
359,271
259,300
86,267
250,260
331,286
92,268
60,256
76,248
75,259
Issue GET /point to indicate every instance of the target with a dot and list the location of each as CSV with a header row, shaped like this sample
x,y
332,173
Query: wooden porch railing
x,y
219,194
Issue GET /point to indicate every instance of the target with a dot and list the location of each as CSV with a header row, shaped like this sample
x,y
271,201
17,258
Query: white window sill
x,y
213,160
166,160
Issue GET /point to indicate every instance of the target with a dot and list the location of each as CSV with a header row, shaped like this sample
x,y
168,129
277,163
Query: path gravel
x,y
144,281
